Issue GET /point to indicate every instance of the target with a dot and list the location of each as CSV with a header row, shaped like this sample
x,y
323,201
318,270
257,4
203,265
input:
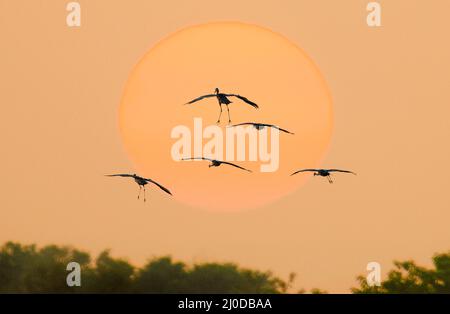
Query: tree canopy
x,y
408,277
28,269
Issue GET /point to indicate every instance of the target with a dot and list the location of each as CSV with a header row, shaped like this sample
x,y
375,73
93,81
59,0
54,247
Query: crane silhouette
x,y
216,163
323,172
142,182
223,99
260,126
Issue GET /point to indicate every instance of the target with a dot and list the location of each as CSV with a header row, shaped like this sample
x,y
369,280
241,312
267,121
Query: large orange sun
x,y
238,58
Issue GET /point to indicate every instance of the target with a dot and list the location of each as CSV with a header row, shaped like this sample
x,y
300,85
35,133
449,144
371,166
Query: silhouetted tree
x,y
110,275
407,277
162,276
26,269
228,278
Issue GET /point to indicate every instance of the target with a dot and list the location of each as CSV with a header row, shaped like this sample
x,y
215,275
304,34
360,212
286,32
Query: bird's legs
x,y
329,179
144,194
229,117
140,188
220,114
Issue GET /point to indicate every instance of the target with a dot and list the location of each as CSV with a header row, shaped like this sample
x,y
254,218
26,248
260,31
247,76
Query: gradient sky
x,y
60,90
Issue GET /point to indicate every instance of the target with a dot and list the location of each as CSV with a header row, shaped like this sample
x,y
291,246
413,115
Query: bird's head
x,y
216,90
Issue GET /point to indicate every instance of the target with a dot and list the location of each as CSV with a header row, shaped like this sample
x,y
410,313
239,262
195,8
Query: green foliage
x,y
228,278
407,277
26,269
162,275
108,276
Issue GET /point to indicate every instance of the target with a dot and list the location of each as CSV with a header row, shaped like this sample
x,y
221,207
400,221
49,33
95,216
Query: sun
x,y
238,58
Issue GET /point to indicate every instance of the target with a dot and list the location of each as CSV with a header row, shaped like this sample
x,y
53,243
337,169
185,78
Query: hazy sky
x,y
60,90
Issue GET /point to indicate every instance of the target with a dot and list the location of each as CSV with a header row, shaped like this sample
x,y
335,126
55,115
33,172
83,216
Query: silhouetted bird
x,y
260,126
142,182
216,163
223,99
323,172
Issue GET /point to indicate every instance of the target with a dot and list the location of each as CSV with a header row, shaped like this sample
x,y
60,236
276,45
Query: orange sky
x,y
60,90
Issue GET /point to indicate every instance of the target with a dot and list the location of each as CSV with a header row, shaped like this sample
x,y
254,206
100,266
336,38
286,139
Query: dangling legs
x,y
220,114
229,117
329,179
140,188
144,194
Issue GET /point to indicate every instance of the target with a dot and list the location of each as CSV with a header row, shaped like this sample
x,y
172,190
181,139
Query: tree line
x,y
29,269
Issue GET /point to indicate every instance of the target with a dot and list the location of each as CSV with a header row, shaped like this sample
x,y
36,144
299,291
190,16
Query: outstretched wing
x,y
200,98
305,170
234,165
197,158
159,185
251,103
119,175
339,170
244,123
285,131
262,124
276,127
